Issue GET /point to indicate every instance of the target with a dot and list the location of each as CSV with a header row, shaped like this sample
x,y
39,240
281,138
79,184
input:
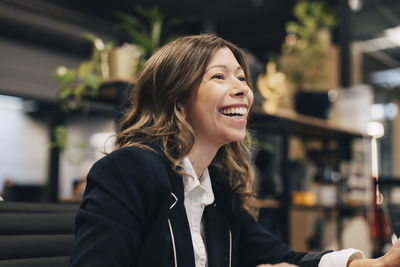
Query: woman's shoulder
x,y
132,155
140,151
132,175
131,162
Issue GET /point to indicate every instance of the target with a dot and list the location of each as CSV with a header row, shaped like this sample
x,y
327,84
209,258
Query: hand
x,y
283,264
390,259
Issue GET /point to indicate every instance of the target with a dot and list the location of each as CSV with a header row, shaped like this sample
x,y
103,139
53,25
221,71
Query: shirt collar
x,y
191,181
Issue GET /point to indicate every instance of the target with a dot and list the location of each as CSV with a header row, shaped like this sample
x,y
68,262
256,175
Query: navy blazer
x,y
133,214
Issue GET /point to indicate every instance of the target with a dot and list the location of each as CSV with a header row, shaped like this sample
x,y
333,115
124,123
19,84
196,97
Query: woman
x,y
177,191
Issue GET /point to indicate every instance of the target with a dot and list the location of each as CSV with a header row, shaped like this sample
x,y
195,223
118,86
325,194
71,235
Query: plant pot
x,y
120,64
315,104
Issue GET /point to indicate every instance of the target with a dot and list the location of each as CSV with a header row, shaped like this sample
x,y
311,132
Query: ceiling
x,y
256,25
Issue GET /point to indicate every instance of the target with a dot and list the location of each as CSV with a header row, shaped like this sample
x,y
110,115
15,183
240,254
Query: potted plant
x,y
107,62
83,81
304,53
149,29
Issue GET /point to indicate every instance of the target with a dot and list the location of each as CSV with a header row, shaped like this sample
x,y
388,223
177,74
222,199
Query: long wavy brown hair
x,y
153,117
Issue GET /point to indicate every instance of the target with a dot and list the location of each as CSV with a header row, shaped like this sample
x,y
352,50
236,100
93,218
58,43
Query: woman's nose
x,y
240,88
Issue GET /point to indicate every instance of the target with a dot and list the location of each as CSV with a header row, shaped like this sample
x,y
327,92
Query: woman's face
x,y
218,108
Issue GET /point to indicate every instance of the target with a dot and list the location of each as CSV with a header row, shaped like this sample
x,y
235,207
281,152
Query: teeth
x,y
234,111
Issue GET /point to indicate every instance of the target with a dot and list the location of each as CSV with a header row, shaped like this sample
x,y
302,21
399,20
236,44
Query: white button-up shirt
x,y
198,194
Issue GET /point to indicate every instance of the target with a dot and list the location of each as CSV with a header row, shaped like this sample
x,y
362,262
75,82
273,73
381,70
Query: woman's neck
x,y
201,157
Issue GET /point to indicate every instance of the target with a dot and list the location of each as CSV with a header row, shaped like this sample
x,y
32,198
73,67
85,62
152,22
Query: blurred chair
x,y
24,193
36,234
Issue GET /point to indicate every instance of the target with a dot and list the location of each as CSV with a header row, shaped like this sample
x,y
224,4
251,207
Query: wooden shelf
x,y
268,203
313,208
286,124
299,124
325,207
111,91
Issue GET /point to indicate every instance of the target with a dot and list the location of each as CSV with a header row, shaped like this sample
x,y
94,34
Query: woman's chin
x,y
237,137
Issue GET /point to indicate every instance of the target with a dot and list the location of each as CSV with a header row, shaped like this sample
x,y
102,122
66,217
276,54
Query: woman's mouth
x,y
237,112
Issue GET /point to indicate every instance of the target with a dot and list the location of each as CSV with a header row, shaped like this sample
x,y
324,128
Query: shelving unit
x,y
289,124
109,101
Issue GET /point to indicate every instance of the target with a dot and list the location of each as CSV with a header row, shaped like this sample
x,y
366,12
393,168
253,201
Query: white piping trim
x,y
230,248
173,242
176,200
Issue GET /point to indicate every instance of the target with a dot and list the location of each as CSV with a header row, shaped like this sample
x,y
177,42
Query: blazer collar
x,y
179,223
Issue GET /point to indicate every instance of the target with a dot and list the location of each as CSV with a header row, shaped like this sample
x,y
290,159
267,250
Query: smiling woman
x,y
177,191
171,84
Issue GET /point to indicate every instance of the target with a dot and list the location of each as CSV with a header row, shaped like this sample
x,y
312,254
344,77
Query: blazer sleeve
x,y
121,193
258,246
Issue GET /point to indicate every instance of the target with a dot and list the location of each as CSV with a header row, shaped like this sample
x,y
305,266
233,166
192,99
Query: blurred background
x,y
326,77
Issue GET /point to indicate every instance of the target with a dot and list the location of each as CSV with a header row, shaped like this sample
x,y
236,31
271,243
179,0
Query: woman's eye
x,y
242,79
218,76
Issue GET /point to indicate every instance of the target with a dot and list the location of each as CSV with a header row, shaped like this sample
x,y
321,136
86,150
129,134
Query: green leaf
x,y
156,34
60,138
147,29
64,75
90,36
84,69
142,40
79,91
131,23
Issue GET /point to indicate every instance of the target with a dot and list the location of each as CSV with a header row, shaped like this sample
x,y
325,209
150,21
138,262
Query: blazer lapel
x,y
217,237
179,224
217,226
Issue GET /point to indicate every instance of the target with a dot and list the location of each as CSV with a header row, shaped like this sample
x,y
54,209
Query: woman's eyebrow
x,y
222,66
